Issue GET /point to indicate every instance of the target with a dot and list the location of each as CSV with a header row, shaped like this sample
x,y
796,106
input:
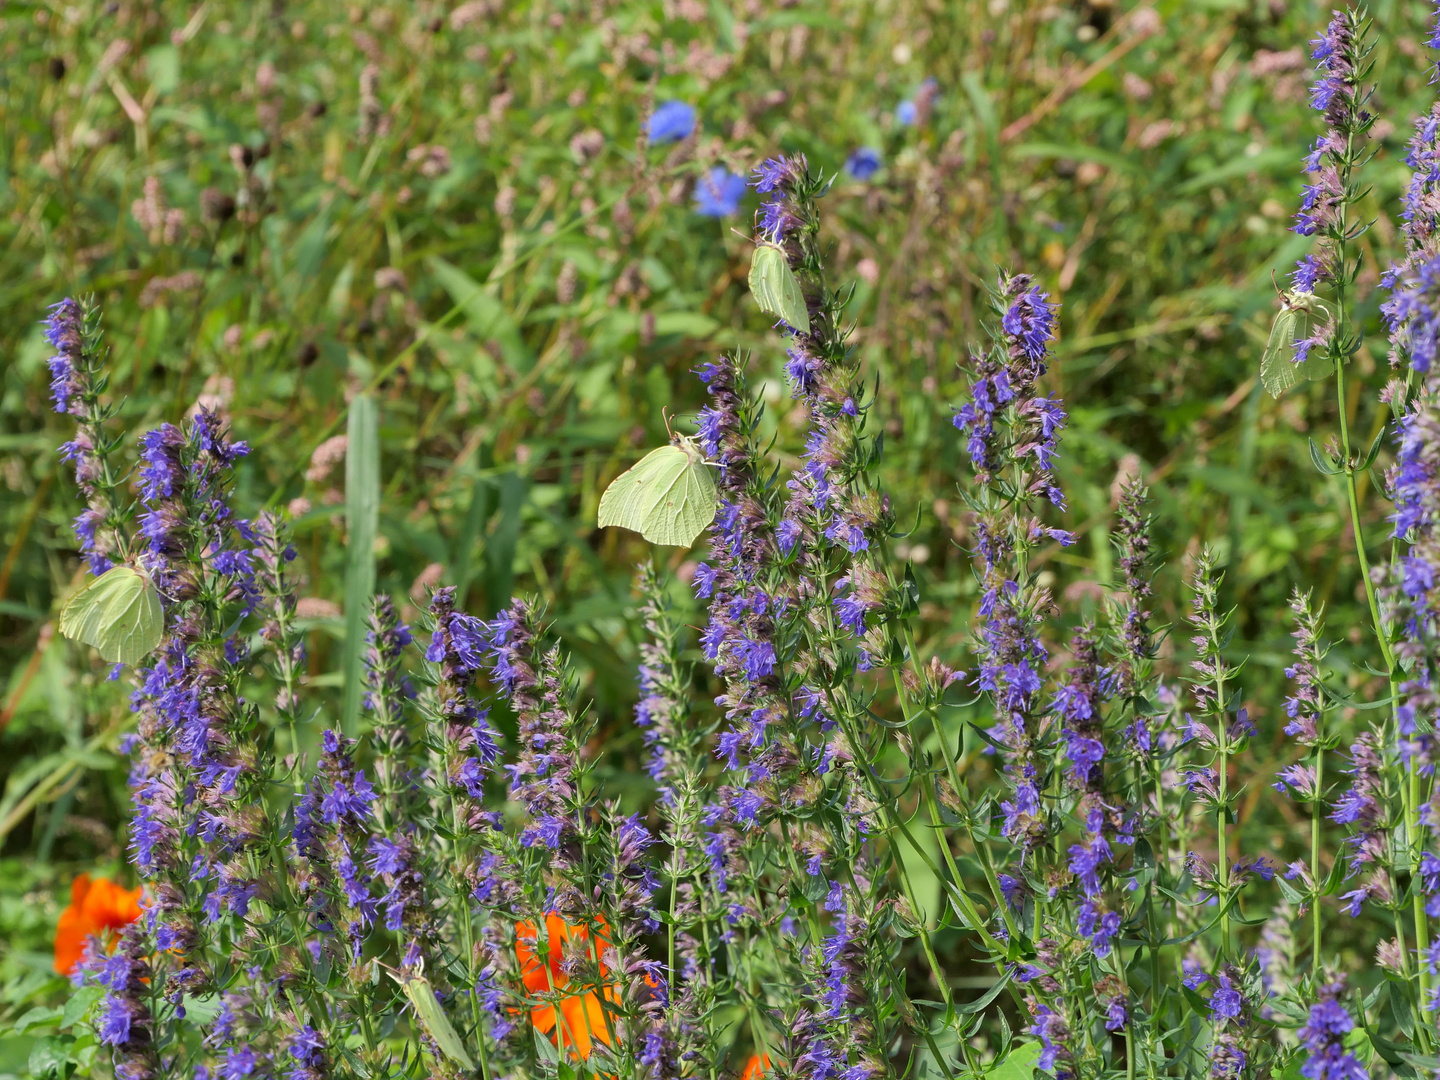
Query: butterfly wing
x,y
776,289
792,300
85,614
632,493
1278,370
763,277
82,612
1019,1064
684,504
119,614
136,630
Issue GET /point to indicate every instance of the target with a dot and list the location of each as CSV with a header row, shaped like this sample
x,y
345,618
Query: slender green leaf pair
x,y
433,1019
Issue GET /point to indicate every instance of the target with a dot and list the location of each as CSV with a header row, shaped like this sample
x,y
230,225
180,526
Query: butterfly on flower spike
x,y
1278,369
668,496
776,289
118,613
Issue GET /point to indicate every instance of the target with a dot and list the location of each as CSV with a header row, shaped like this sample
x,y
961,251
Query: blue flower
x,y
1323,1038
906,112
62,331
1226,1002
864,162
670,122
718,193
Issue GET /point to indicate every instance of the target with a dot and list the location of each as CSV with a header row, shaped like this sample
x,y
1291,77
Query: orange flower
x,y
582,1013
98,908
756,1067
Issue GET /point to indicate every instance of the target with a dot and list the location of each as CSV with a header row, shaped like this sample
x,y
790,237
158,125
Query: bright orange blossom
x,y
97,907
582,1014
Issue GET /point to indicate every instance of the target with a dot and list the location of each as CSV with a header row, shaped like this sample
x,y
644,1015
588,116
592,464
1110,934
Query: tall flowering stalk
x,y
1408,591
77,386
1306,710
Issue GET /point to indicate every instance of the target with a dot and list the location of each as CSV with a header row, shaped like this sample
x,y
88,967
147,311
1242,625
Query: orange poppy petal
x,y
78,889
69,941
584,1022
96,906
543,1017
756,1067
110,906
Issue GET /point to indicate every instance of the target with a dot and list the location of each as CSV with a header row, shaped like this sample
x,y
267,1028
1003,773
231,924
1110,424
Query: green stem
x,y
953,772
1410,789
1317,808
1222,854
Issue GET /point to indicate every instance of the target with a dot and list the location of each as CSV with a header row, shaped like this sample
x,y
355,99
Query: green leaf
x,y
1292,895
1077,152
477,516
1358,1043
500,551
1266,161
487,317
689,324
986,998
79,1004
545,1050
1322,461
433,1019
50,1057
38,1017
1374,451
362,515
1019,1064
162,64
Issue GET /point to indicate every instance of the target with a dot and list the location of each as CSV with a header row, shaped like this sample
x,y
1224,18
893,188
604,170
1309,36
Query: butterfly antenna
x,y
665,416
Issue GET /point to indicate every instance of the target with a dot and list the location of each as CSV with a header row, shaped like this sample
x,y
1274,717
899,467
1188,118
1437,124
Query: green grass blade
x,y
362,515
500,551
477,517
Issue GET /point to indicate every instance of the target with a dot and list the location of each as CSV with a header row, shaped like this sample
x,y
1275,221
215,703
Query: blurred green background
x,y
280,205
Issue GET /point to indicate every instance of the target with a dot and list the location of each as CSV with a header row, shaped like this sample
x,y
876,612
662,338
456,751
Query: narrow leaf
x,y
362,518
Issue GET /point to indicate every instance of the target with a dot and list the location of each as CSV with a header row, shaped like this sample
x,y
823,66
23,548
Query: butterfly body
x,y
668,496
118,613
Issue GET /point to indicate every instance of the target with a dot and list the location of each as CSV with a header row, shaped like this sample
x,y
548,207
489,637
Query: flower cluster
x,y
1340,96
77,382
